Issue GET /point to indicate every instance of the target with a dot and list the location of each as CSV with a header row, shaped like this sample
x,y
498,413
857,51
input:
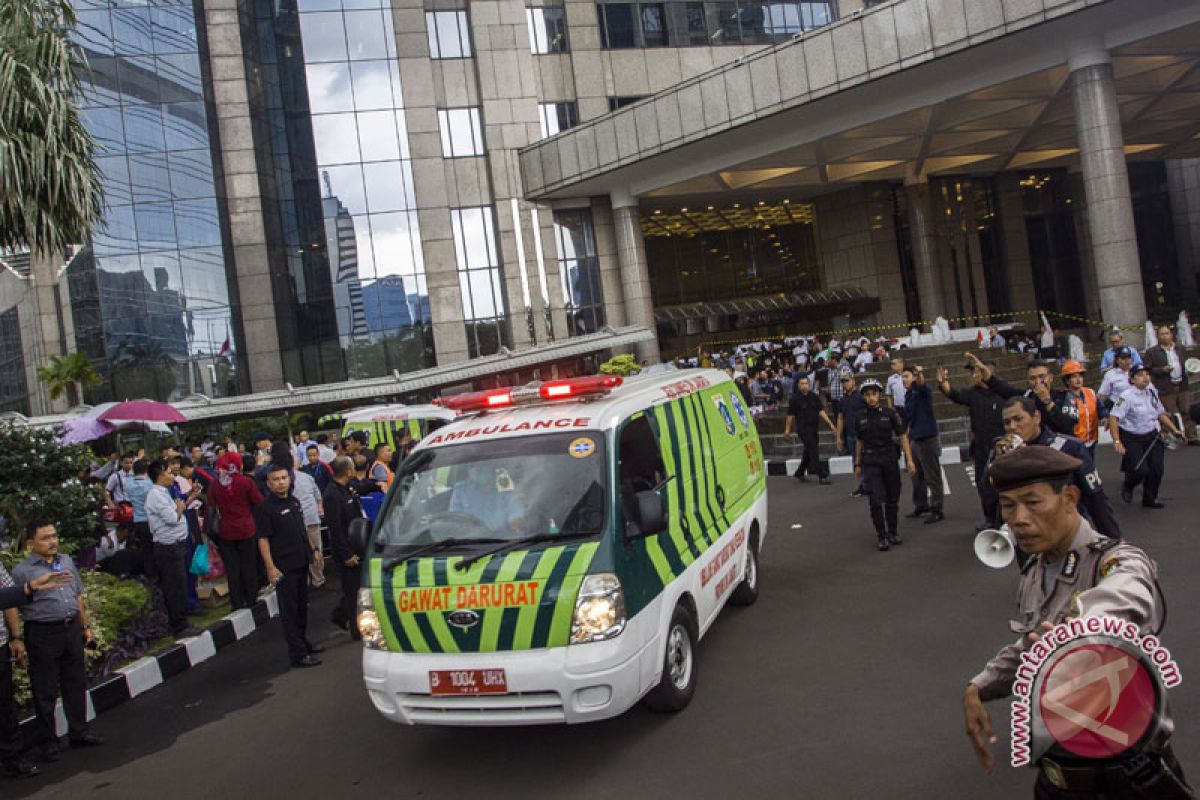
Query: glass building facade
x,y
579,271
685,23
342,185
150,293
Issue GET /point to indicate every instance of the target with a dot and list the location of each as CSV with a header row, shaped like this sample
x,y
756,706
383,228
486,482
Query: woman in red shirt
x,y
234,496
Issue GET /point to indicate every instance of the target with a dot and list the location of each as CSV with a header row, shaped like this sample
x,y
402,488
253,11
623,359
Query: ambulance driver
x,y
876,457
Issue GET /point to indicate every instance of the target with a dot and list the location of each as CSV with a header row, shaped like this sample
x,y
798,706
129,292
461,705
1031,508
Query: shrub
x,y
623,365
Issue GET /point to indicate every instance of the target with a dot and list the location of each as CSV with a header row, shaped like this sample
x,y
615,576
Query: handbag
x,y
200,561
212,521
216,565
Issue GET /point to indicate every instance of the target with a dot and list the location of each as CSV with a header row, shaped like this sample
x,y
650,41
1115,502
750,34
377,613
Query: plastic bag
x,y
216,565
200,561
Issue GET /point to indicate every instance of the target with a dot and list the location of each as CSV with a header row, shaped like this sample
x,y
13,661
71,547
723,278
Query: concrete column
x,y
1106,188
635,272
924,249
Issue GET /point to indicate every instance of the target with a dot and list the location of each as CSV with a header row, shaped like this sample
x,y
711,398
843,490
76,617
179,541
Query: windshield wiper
x,y
515,543
433,548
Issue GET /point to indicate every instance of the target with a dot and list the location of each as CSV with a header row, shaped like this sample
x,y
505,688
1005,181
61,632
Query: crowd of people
x,y
1135,403
261,508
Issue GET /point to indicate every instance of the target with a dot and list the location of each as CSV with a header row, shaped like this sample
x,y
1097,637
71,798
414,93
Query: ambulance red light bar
x,y
579,387
551,390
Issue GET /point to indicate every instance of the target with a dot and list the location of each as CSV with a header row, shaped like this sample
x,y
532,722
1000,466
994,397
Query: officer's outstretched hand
x,y
979,727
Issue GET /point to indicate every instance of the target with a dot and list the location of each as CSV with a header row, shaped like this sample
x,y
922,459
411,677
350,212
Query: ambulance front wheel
x,y
678,682
747,591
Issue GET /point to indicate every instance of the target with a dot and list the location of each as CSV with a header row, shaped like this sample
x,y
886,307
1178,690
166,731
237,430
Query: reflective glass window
x,y
697,25
186,126
131,31
329,88
625,100
378,135
654,25
106,126
114,176
461,132
155,226
336,139
616,25
143,128
117,234
557,117
174,29
190,173
197,223
376,85
366,36
397,240
179,78
138,79
547,29
579,271
93,32
324,37
448,34
346,184
149,177
386,185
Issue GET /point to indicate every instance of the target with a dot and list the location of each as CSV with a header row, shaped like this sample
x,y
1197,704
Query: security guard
x,y
1135,422
876,457
1074,572
1116,379
805,411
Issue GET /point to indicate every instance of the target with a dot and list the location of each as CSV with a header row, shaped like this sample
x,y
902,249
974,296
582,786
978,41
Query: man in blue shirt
x,y
56,632
926,446
136,489
1116,341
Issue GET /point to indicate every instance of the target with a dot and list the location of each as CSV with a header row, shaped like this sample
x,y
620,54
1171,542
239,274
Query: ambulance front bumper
x,y
572,684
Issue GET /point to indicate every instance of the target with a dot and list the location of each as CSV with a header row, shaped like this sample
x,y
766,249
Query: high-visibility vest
x,y
1087,426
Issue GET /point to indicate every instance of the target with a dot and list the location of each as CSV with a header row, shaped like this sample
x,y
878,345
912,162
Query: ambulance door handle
x,y
721,497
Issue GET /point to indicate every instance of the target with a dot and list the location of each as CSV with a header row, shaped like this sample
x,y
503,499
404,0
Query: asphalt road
x,y
843,681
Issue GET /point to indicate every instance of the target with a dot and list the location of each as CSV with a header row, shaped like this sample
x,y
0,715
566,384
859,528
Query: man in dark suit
x,y
342,508
1165,361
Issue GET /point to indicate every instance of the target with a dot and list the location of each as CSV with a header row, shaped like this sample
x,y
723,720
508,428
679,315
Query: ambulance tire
x,y
746,592
678,683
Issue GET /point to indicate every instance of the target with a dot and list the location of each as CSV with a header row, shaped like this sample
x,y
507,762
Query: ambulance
x,y
555,554
387,424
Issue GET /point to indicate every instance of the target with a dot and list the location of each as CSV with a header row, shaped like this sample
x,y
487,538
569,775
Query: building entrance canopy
x,y
911,88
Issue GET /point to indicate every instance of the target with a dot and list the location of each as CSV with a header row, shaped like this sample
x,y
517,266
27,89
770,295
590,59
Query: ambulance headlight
x,y
368,622
599,609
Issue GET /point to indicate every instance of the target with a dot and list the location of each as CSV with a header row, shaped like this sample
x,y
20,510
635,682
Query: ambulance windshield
x,y
498,490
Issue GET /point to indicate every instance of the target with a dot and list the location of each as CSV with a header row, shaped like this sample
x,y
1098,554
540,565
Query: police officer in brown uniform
x,y
1074,572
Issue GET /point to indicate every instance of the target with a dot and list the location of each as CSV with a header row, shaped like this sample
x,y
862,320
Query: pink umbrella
x,y
142,411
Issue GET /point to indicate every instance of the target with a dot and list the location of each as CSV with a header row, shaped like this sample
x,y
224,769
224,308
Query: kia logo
x,y
463,618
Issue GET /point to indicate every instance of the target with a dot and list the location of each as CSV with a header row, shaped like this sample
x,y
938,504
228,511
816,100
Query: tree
x,y
40,479
72,373
52,194
625,365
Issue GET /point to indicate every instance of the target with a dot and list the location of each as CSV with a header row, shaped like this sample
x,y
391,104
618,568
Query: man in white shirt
x,y
1116,380
895,384
300,451
1171,380
169,530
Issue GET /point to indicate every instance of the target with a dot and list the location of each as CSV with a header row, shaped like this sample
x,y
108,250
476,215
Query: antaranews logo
x,y
1094,687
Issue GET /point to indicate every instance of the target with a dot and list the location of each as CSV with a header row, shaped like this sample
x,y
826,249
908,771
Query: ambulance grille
x,y
515,708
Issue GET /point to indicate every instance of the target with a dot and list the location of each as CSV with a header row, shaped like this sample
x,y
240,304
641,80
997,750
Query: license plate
x,y
467,681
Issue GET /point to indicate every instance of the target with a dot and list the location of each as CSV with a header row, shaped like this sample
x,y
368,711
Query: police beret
x,y
1030,464
1138,368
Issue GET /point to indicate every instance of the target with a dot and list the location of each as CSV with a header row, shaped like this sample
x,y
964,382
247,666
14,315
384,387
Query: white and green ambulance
x,y
556,553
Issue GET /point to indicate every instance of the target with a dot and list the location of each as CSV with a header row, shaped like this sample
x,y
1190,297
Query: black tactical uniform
x,y
877,430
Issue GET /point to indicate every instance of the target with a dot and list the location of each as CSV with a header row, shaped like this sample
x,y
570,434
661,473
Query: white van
x,y
556,552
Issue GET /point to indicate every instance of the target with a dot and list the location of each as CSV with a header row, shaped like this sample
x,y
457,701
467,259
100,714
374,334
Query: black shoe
x,y
87,740
20,768
189,632
934,516
884,544
1194,443
858,493
313,649
1127,494
895,539
307,661
917,512
824,481
50,753
801,478
1152,504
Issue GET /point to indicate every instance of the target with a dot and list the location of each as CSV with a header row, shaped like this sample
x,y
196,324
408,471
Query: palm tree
x,y
52,196
71,373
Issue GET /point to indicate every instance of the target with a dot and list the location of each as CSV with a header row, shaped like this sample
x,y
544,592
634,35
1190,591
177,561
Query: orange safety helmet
x,y
1071,367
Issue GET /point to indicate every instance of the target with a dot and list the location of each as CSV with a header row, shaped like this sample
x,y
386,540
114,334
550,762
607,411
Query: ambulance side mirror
x,y
650,514
358,534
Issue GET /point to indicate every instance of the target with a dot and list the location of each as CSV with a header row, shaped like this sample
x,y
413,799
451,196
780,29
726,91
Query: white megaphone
x,y
995,548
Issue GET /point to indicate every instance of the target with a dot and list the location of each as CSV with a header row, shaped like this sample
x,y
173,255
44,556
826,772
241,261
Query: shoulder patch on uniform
x,y
1070,565
1057,442
1109,565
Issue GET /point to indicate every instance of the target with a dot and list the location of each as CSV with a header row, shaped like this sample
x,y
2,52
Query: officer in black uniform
x,y
805,412
341,508
876,457
283,543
